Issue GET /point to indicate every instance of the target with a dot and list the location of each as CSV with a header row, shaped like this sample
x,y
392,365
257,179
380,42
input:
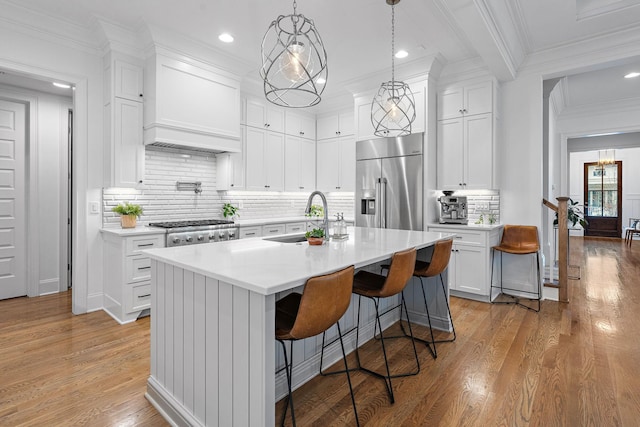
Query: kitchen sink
x,y
295,238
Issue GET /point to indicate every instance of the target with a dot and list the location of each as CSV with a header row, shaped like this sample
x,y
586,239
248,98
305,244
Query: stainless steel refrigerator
x,y
389,182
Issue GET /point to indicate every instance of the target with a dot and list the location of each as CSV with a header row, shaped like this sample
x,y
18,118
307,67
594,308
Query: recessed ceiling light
x,y
321,81
402,54
632,75
62,85
225,37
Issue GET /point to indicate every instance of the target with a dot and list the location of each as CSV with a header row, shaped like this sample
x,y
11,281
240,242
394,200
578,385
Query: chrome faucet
x,y
325,221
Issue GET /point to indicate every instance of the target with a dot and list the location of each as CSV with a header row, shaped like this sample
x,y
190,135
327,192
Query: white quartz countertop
x,y
281,220
267,267
137,231
487,227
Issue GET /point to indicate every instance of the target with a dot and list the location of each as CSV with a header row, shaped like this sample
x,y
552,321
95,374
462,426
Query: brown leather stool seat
x,y
375,286
519,240
322,303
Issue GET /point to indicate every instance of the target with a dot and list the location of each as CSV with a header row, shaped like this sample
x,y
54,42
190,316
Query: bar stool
x,y
518,240
438,264
322,303
376,286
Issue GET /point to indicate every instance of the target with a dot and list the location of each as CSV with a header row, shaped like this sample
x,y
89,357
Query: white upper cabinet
x,y
467,136
336,125
128,81
459,100
300,124
336,164
191,104
299,164
261,114
230,168
124,159
465,153
264,160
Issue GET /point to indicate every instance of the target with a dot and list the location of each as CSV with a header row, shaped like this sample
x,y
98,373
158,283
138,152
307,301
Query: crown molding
x,y
558,96
21,19
464,70
114,37
584,55
424,66
156,39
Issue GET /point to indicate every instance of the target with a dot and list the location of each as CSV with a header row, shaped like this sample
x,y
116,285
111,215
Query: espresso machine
x,y
453,209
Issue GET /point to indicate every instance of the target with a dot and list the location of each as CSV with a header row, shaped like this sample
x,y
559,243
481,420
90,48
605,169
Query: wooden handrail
x,y
550,205
563,245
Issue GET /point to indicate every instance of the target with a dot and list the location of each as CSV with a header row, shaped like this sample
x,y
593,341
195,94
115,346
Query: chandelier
x,y
393,109
606,157
294,62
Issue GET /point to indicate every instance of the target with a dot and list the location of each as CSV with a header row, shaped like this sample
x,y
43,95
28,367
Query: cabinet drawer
x,y
250,232
137,268
135,244
137,297
464,235
273,229
296,227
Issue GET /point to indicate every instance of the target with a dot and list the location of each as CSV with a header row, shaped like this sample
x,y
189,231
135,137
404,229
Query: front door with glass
x,y
603,199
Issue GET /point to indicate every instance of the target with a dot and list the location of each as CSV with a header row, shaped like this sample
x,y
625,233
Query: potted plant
x,y
128,214
229,211
315,236
574,215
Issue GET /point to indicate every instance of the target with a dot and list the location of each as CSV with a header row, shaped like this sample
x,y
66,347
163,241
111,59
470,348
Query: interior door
x,y
12,200
603,199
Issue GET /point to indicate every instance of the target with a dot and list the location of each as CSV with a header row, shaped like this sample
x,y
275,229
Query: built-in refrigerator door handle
x,y
383,202
378,201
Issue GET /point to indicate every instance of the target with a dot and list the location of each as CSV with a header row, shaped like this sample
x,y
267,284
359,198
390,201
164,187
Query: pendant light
x,y
294,62
393,109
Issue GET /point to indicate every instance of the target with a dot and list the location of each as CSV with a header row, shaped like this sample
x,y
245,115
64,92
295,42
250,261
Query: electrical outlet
x,y
240,204
293,204
94,208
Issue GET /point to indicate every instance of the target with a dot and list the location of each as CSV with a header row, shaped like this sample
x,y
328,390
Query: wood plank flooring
x,y
572,364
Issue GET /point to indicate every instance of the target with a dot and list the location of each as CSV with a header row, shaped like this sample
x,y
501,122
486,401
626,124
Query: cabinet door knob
x,y
140,95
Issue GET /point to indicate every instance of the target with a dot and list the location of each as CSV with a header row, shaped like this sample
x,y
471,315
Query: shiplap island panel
x,y
213,319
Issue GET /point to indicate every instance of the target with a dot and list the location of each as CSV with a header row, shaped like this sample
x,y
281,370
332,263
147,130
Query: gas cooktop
x,y
190,223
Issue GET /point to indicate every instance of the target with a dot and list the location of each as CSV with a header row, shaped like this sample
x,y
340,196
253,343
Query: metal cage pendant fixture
x,y
393,109
294,62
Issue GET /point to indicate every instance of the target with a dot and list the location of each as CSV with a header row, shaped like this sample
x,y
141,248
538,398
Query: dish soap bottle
x,y
340,228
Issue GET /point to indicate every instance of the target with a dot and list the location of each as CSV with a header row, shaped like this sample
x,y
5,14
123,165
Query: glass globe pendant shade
x,y
293,62
393,109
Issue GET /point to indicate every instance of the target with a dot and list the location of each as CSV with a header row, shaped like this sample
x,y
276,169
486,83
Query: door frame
x,y
619,190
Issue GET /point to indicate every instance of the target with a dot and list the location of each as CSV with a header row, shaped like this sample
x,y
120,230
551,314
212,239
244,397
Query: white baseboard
x,y
49,286
170,409
94,302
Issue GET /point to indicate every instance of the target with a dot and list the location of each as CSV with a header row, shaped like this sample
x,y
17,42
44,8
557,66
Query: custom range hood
x,y
190,104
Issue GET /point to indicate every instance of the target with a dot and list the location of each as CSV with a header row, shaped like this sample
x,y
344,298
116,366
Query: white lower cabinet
x,y
127,287
470,263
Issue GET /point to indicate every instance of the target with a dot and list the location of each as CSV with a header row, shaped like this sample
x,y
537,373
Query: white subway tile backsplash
x,y
161,201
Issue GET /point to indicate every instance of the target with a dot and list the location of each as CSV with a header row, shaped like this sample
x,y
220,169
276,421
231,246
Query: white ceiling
x,y
356,33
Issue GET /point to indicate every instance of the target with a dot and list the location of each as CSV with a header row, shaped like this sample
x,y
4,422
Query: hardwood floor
x,y
572,364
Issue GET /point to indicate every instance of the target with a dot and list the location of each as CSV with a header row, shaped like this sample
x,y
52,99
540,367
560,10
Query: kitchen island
x,y
213,357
